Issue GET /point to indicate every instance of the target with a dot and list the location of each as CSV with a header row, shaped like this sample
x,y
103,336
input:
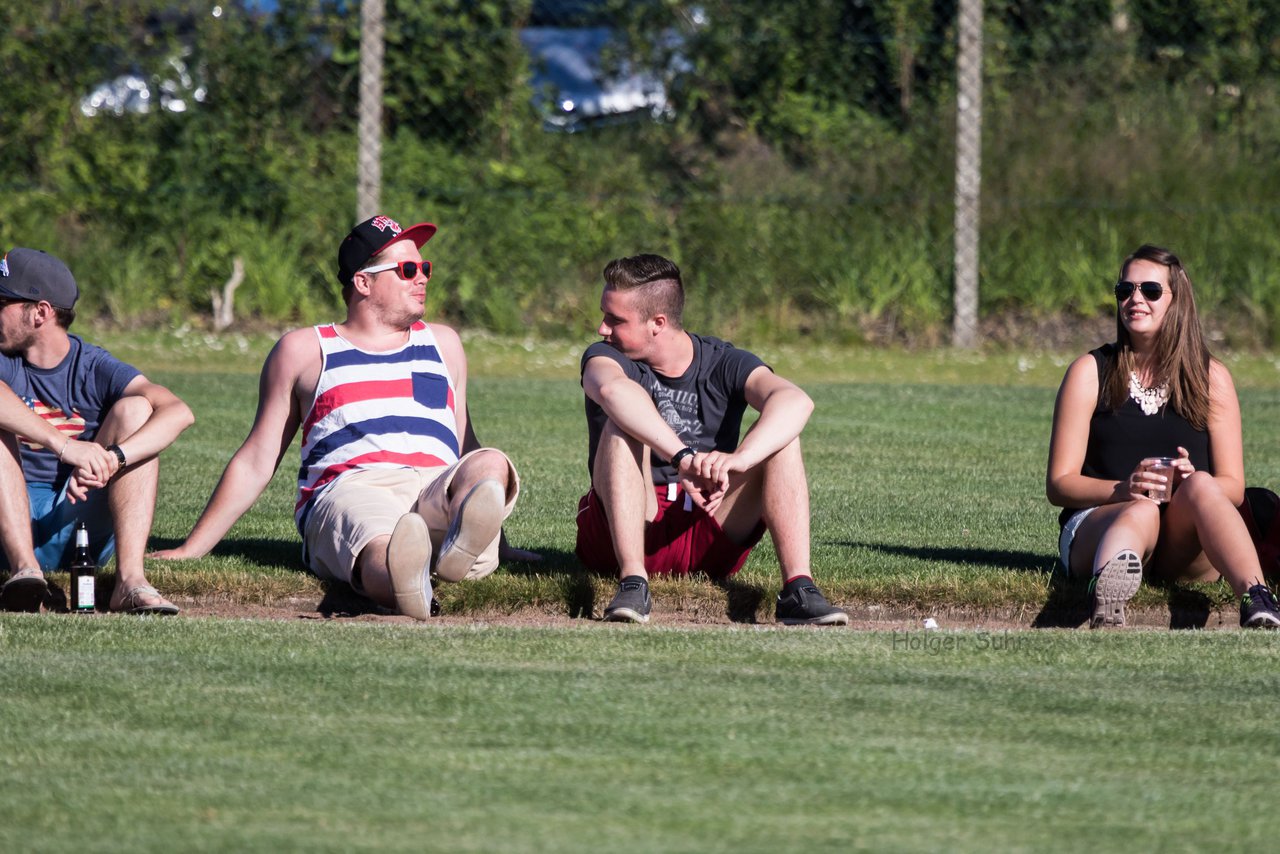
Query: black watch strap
x,y
115,449
679,456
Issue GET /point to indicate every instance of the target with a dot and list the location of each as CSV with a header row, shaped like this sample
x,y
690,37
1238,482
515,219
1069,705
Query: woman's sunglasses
x,y
407,270
1151,291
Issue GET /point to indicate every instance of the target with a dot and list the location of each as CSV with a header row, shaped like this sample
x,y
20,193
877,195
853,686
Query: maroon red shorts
x,y
680,540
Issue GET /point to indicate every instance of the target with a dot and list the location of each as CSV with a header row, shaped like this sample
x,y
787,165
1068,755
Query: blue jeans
x,y
53,525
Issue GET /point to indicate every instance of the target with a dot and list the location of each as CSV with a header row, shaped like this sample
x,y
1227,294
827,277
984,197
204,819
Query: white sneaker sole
x,y
1115,586
408,563
625,615
478,523
836,618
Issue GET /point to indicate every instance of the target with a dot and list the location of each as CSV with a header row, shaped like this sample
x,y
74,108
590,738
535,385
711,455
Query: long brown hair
x,y
1180,357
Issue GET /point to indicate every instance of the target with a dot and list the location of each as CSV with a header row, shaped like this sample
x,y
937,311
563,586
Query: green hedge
x,y
805,184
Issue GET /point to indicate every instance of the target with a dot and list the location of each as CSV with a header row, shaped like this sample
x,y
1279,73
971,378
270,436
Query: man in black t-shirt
x,y
673,491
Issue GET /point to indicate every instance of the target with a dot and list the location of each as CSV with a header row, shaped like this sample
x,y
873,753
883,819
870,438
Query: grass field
x,y
927,477
216,735
926,472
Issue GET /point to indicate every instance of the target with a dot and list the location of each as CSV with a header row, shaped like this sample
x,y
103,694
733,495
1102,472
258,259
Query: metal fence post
x,y
964,331
369,156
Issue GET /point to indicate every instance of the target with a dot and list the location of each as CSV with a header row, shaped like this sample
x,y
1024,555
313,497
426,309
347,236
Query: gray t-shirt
x,y
704,405
74,396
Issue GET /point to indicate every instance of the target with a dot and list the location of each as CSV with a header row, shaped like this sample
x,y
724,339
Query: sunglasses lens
x,y
1151,291
408,270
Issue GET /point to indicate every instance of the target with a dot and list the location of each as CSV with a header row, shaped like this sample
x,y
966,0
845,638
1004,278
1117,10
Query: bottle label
x,y
84,593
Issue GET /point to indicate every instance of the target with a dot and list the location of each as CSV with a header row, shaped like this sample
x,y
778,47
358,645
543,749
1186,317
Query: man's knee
x,y
617,451
488,463
614,435
125,417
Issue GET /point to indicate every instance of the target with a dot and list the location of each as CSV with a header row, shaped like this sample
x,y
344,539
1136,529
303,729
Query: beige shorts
x,y
364,504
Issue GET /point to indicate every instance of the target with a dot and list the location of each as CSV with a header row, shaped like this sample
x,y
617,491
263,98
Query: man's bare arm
x,y
252,466
629,406
784,411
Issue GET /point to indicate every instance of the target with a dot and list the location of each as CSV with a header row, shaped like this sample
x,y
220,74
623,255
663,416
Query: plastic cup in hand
x,y
1162,466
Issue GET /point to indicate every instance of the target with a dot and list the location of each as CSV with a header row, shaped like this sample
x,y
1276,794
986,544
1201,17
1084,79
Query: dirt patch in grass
x,y
704,613
682,604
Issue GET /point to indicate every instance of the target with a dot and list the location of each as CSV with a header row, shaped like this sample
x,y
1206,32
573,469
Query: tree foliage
x,y
832,102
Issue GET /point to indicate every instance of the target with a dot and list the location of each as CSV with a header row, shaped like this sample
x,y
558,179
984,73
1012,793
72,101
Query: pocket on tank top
x,y
431,390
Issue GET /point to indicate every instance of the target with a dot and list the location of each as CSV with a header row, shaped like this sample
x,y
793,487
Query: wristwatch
x,y
679,456
115,449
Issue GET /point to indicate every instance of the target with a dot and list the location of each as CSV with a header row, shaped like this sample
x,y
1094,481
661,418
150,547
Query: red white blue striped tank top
x,y
375,410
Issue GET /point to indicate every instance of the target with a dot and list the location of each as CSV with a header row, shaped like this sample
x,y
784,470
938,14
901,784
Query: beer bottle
x,y
84,573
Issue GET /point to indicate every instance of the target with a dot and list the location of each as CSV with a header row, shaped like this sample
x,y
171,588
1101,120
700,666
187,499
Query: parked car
x,y
578,76
571,89
174,91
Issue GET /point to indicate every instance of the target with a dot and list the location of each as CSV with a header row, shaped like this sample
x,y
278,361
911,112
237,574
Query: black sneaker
x,y
1112,587
1258,609
804,605
631,603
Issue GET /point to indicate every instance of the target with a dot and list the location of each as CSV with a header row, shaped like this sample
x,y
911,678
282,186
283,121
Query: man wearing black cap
x,y
88,395
391,473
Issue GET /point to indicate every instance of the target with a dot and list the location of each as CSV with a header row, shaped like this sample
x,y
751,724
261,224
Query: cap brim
x,y
419,234
5,293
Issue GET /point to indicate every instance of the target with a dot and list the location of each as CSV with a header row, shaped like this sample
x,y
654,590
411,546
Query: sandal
x,y
132,602
24,591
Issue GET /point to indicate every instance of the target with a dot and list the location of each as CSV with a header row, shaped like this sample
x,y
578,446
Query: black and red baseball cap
x,y
371,237
31,275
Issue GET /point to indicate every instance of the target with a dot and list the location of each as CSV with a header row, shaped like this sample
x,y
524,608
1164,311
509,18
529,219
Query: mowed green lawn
x,y
926,473
154,735
927,480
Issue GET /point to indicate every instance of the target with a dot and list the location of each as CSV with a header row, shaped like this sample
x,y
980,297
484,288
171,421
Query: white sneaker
x,y
478,523
409,564
1113,587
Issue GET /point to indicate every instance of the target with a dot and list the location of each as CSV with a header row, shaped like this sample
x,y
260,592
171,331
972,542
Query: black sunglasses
x,y
1151,291
407,270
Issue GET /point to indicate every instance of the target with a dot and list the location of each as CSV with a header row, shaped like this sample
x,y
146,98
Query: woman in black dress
x,y
1154,393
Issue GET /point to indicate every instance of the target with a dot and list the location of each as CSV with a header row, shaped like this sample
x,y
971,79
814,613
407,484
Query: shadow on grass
x,y
743,600
273,554
1068,604
340,600
1016,561
554,562
1188,608
577,583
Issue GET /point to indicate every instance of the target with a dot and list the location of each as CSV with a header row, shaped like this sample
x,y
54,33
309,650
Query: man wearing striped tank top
x,y
393,483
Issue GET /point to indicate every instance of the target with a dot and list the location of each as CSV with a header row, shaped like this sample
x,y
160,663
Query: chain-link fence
x,y
814,167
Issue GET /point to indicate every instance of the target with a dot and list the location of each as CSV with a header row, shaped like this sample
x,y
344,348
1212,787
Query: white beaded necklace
x,y
1149,400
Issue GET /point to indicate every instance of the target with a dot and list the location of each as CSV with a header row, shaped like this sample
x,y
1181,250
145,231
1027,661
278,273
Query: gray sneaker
x,y
409,564
631,604
1113,586
804,605
478,523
